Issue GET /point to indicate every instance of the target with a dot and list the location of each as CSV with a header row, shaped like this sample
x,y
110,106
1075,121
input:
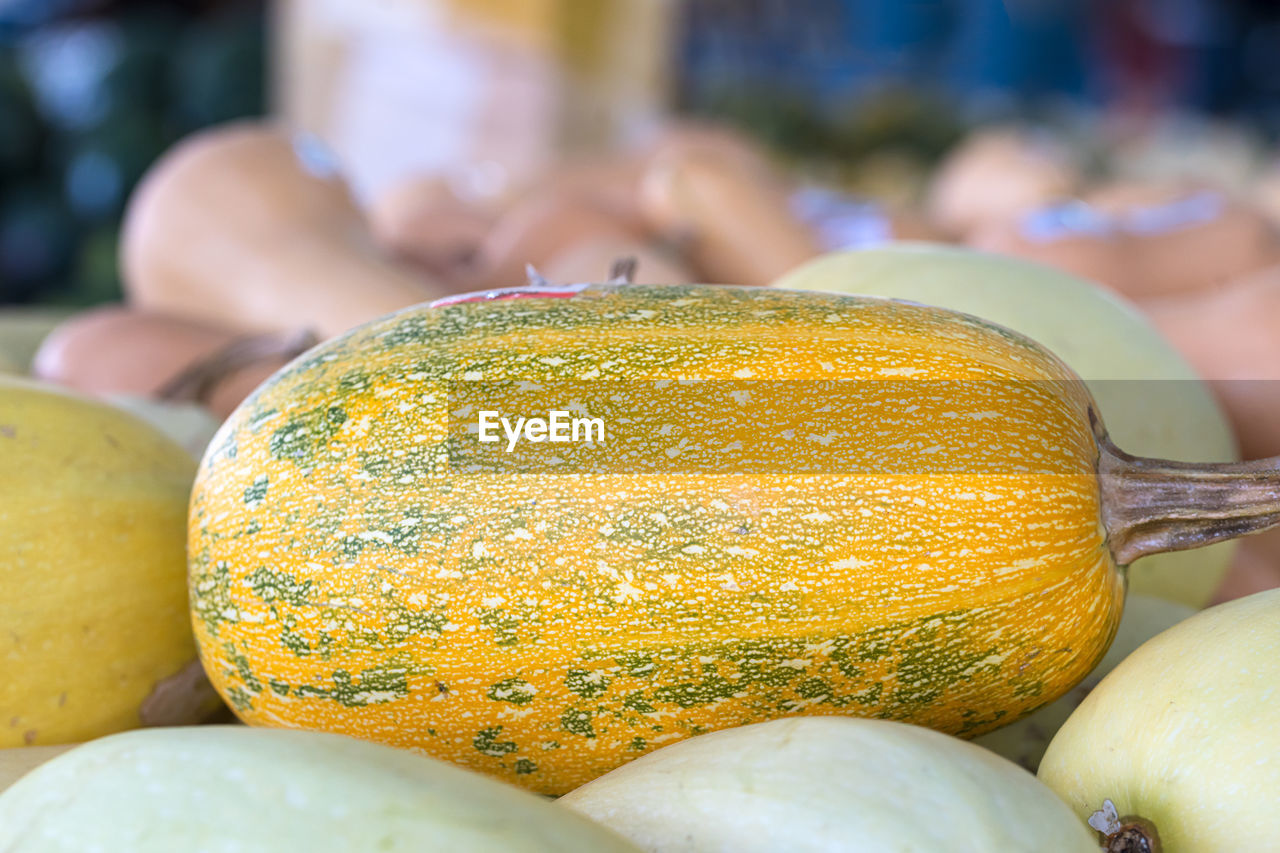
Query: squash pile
x,y
864,541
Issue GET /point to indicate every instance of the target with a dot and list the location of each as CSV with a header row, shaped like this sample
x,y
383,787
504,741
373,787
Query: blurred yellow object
x,y
93,597
503,88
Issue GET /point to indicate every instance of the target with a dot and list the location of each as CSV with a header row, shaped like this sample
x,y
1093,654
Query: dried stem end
x,y
623,271
1151,506
1124,834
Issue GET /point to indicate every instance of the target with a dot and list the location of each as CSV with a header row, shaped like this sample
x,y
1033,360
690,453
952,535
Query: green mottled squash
x,y
802,504
1025,741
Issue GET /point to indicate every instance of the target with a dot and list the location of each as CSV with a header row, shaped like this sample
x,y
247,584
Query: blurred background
x,y
90,94
867,94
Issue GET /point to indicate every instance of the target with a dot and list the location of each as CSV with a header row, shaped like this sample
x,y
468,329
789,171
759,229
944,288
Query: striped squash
x,y
933,552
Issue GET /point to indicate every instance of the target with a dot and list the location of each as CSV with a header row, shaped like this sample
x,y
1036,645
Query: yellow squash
x,y
93,610
864,507
1182,738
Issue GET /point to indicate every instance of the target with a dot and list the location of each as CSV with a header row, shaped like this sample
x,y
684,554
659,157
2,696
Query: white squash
x,y
1150,397
225,788
1026,740
829,783
1185,733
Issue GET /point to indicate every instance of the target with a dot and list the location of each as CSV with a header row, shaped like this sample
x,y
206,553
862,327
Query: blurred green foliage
x,y
88,101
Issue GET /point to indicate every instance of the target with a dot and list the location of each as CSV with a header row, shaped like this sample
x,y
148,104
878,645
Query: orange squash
x,y
997,175
1179,238
537,229
865,507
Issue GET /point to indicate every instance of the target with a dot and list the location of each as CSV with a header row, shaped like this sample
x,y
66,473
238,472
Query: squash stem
x,y
1150,506
1136,836
1124,834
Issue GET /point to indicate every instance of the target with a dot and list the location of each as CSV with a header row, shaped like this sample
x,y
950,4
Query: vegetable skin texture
x,y
547,629
822,783
1025,741
223,788
1153,400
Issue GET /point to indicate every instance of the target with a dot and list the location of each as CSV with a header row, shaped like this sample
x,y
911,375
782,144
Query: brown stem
x,y
1124,834
1150,506
182,699
1135,836
623,270
196,383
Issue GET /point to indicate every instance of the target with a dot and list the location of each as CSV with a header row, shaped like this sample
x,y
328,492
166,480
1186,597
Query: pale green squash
x,y
820,784
218,789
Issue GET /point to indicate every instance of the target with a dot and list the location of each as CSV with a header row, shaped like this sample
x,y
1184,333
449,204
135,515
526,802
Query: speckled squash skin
x,y
547,628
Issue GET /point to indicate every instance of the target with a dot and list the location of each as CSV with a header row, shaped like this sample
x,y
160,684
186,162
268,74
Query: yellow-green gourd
x,y
1183,738
96,637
